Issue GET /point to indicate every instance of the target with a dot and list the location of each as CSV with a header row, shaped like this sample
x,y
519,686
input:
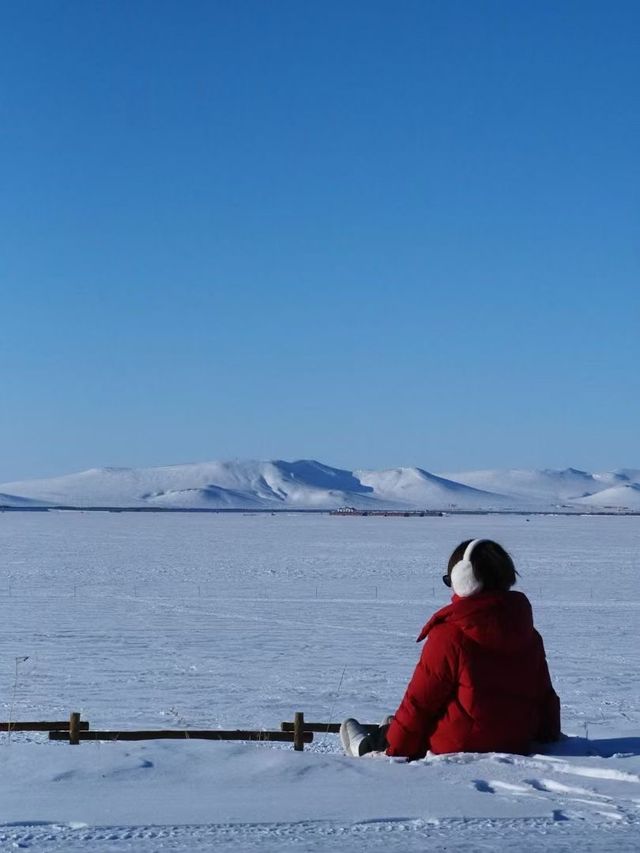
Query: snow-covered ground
x,y
232,620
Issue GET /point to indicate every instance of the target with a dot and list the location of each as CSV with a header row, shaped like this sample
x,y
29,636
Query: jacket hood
x,y
495,620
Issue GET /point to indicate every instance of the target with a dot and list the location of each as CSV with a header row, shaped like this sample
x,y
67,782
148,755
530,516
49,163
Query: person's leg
x,y
377,739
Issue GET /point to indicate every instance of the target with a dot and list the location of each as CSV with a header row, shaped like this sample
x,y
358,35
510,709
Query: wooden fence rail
x,y
323,728
75,732
186,734
40,726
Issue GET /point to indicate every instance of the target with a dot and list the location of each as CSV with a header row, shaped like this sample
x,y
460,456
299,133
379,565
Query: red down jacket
x,y
482,683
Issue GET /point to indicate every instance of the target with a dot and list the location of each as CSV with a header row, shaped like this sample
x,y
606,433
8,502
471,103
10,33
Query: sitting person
x,y
482,683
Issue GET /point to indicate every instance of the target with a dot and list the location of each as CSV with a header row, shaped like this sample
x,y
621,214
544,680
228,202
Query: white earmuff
x,y
463,579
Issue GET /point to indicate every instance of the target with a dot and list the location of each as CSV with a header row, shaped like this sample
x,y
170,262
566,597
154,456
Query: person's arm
x,y
549,726
425,700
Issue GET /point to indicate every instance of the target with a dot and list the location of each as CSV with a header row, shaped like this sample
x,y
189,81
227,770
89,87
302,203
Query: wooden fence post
x,y
74,728
298,731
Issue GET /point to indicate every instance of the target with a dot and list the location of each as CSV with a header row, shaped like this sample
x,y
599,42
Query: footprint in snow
x,y
509,788
502,788
559,765
550,786
483,786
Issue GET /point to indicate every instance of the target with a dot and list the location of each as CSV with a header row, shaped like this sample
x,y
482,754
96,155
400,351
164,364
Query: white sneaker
x,y
352,735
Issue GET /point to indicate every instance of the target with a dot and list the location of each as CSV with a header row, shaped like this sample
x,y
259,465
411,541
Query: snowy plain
x,y
235,620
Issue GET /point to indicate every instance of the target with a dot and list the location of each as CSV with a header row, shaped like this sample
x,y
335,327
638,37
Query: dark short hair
x,y
492,565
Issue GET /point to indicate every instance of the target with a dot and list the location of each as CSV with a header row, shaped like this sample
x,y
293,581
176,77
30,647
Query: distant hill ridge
x,y
308,484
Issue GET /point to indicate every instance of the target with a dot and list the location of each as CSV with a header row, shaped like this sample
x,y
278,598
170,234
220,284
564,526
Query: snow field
x,y
228,620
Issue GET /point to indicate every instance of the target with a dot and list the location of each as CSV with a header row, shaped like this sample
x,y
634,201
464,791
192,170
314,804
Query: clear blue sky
x,y
373,233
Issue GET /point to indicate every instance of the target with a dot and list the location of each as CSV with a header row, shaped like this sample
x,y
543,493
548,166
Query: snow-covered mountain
x,y
568,487
240,484
625,496
540,486
17,502
307,484
415,487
